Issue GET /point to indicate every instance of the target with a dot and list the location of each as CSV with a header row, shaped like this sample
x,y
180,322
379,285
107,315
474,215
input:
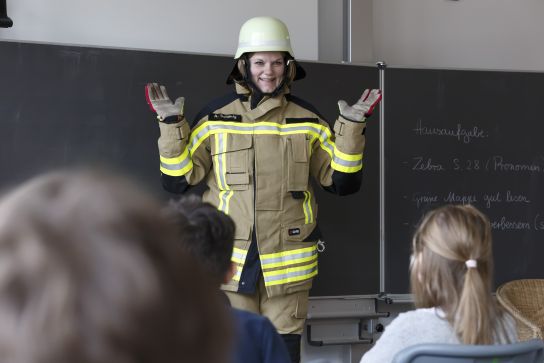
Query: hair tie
x,y
471,263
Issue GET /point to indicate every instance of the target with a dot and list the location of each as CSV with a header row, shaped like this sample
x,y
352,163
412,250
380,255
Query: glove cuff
x,y
170,119
352,120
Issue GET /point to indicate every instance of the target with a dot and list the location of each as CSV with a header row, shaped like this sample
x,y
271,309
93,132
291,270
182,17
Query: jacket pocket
x,y
298,167
231,164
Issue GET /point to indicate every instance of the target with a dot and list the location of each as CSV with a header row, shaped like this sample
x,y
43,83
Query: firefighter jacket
x,y
257,163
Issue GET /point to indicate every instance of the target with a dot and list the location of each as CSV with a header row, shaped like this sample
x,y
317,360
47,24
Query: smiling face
x,y
267,70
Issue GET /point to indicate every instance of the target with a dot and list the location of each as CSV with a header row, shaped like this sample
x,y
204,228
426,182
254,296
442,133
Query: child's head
x,y
444,247
452,267
90,271
207,234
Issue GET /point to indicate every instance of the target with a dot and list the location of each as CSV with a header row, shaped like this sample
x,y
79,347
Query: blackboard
x,y
65,105
460,136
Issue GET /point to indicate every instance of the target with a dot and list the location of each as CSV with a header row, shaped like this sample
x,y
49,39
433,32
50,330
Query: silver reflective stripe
x,y
270,260
322,133
239,255
177,166
221,166
347,163
307,208
225,195
290,275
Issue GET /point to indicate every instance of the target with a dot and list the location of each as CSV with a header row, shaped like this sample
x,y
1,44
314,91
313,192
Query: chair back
x,y
524,300
530,351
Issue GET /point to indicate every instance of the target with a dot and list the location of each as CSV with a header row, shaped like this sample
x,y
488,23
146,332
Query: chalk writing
x,y
495,163
426,164
516,198
499,164
452,197
504,225
426,199
468,165
489,199
538,222
460,133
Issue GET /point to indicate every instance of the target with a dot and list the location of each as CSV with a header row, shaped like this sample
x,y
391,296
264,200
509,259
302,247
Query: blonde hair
x,y
90,272
440,277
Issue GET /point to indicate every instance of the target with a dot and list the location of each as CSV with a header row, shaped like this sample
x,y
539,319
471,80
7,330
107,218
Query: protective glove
x,y
362,108
160,103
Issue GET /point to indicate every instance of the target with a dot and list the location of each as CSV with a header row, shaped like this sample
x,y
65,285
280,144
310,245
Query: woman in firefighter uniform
x,y
256,149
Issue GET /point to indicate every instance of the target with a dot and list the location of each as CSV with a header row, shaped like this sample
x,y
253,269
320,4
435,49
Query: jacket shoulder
x,y
304,104
215,104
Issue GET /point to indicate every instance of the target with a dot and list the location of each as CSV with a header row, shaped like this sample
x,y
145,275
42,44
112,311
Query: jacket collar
x,y
265,105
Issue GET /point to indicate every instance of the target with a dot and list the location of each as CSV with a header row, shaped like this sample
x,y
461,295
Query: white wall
x,y
334,16
331,28
362,31
204,26
483,34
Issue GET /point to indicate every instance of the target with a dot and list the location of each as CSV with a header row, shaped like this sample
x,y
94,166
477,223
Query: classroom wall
x,y
331,30
362,32
205,26
483,34
345,31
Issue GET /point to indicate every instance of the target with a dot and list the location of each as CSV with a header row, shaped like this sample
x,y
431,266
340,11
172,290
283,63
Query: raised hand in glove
x,y
160,103
362,108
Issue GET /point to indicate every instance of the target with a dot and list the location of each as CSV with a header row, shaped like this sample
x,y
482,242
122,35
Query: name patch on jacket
x,y
224,117
293,231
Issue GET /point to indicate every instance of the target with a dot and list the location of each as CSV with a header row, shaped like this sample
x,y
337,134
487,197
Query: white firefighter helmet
x,y
263,34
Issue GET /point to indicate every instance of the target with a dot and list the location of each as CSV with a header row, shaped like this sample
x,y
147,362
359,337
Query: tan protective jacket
x,y
257,164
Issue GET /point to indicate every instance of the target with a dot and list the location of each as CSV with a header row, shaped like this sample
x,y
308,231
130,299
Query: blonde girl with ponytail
x,y
451,281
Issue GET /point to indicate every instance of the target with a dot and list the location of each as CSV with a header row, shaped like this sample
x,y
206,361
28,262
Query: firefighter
x,y
256,149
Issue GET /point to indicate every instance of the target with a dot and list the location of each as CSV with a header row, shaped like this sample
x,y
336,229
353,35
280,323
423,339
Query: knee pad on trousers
x,y
292,341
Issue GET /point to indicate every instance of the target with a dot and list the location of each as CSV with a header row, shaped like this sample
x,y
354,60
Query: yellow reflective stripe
x,y
288,258
348,157
176,159
238,274
345,169
220,161
220,167
230,194
289,253
238,255
290,274
283,263
289,270
216,164
176,166
224,200
307,208
348,163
